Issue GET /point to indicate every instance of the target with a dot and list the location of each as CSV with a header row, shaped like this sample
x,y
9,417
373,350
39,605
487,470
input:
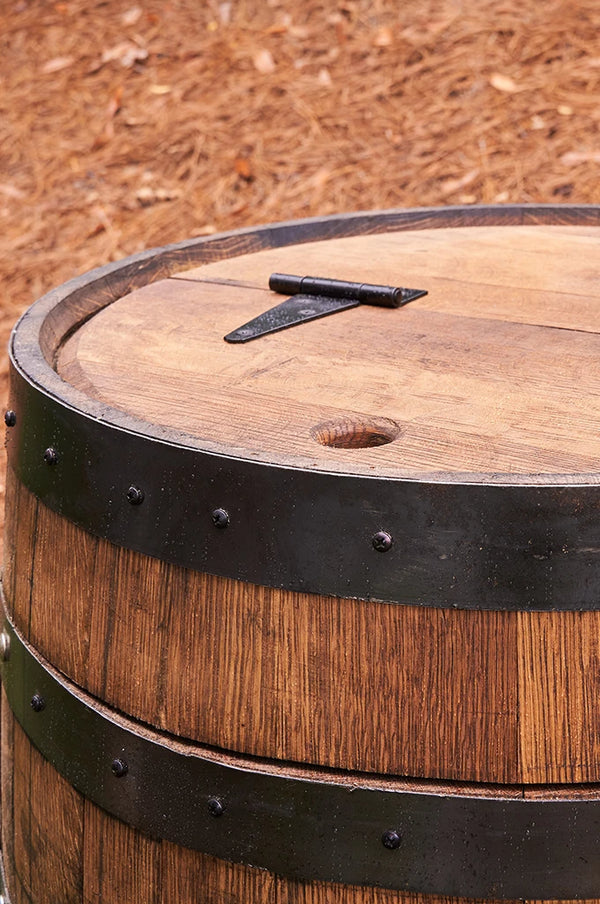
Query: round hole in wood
x,y
356,432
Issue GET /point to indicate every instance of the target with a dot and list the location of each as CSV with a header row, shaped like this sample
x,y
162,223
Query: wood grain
x,y
559,653
455,694
19,550
493,373
366,686
50,322
68,850
120,864
479,377
21,823
333,893
48,828
189,876
6,787
519,273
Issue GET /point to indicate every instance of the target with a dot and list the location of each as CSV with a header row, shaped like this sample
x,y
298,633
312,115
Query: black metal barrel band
x,y
337,827
460,545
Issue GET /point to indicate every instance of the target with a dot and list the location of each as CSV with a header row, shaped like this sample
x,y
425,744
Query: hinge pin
x,y
312,297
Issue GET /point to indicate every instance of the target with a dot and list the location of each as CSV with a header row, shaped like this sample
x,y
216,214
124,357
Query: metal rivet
x,y
391,839
119,767
382,541
4,646
10,418
50,456
215,806
135,496
38,703
220,518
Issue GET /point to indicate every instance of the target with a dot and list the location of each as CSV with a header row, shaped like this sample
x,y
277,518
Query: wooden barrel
x,y
313,616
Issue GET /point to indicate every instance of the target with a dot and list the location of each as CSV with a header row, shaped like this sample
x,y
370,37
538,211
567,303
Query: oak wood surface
x,y
61,309
374,687
6,789
495,371
68,850
119,863
45,857
535,267
558,653
484,696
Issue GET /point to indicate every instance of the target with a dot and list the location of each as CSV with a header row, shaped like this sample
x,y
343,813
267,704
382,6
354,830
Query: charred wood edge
x,y
455,544
309,824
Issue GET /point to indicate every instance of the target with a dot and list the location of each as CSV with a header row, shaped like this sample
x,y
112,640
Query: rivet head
x,y
10,418
51,456
119,767
215,806
220,518
135,496
391,839
4,646
38,703
382,541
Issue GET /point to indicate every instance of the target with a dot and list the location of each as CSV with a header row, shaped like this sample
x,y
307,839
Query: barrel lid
x,y
491,377
457,433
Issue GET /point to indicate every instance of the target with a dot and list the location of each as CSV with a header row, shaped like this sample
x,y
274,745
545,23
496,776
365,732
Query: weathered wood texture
x,y
466,695
492,376
477,380
479,376
115,280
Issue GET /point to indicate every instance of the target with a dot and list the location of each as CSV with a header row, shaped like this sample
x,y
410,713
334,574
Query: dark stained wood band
x,y
156,641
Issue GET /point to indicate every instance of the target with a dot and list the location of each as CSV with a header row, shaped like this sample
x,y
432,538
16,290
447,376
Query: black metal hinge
x,y
313,297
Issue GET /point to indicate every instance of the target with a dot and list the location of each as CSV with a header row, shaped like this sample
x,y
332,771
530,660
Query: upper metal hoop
x,y
147,488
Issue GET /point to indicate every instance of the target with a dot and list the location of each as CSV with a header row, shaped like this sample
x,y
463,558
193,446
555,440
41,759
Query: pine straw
x,y
124,127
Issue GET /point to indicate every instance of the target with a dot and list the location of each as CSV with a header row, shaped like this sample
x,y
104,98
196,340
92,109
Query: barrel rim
x,y
450,543
33,344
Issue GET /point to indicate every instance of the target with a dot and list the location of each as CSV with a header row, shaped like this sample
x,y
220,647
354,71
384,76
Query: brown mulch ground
x,y
126,126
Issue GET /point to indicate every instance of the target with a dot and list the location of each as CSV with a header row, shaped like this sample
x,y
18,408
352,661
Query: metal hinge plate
x,y
313,297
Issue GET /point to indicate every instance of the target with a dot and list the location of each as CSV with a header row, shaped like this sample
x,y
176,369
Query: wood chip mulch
x,y
125,126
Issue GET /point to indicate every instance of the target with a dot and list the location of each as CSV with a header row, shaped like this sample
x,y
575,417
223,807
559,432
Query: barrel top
x,y
492,375
440,453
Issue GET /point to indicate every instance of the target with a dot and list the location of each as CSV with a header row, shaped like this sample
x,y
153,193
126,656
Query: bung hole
x,y
356,433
